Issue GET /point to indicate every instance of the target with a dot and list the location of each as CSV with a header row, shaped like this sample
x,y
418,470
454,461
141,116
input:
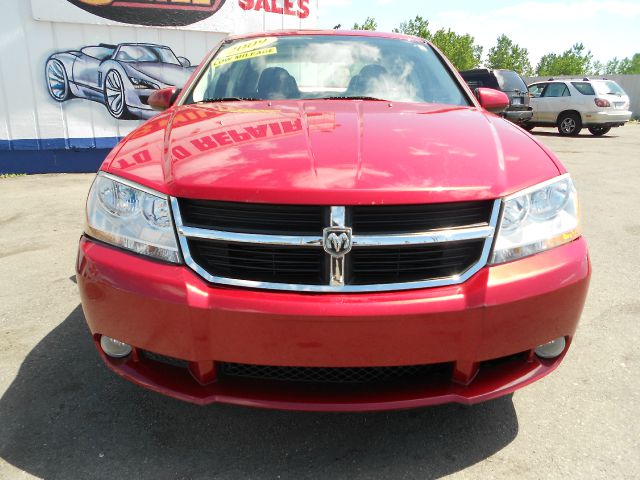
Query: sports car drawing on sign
x,y
120,76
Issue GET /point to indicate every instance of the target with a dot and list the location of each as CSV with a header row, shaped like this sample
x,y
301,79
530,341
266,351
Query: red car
x,y
331,221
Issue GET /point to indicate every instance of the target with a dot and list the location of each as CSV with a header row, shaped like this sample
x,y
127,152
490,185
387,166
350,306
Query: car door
x,y
86,72
554,99
535,91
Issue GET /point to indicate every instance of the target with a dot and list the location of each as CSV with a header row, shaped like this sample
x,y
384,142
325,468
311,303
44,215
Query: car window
x,y
510,81
584,88
146,53
99,53
607,87
537,89
328,66
478,80
556,90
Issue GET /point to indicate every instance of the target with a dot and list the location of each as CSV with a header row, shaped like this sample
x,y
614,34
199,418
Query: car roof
x,y
337,33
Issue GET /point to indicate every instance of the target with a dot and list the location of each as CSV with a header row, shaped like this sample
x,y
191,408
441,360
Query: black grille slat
x,y
412,263
335,375
273,264
386,219
253,218
303,265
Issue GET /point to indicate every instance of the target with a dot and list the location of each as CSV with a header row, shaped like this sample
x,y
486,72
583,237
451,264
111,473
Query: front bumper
x,y
169,310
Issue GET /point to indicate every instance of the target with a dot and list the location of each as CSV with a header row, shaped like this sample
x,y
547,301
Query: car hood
x,y
167,73
332,152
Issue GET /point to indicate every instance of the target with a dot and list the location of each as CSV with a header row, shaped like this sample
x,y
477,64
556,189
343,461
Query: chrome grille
x,y
403,247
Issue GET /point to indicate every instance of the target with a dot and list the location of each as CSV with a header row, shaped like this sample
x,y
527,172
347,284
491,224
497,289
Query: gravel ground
x,y
64,416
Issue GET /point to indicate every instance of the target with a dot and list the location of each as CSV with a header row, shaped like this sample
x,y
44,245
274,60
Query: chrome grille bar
x,y
336,280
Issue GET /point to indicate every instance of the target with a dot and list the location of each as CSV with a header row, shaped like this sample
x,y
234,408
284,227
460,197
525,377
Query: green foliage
x,y
509,56
460,49
574,61
369,24
615,66
418,27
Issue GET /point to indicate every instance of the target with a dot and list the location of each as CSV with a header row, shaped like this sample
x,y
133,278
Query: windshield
x,y
327,66
607,87
146,53
510,81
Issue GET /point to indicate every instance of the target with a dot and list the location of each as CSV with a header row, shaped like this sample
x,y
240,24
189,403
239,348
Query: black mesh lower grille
x,y
333,374
260,263
412,264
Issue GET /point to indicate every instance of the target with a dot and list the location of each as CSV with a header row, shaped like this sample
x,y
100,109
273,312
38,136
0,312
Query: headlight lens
x,y
136,219
537,219
139,83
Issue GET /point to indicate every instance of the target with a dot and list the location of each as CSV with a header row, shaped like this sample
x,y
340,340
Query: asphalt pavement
x,y
63,415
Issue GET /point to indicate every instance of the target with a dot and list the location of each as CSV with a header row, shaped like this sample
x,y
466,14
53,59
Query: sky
x,y
607,28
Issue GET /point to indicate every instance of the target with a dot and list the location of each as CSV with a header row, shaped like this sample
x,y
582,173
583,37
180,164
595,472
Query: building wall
x,y
40,134
629,83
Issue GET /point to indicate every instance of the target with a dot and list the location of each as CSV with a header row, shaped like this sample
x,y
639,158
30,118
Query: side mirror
x,y
185,62
163,99
493,100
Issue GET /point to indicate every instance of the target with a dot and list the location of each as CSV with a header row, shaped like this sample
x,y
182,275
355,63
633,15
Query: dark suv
x,y
510,83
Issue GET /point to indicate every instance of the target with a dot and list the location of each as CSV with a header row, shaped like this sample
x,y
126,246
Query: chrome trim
x,y
232,237
425,238
462,234
440,236
338,220
132,184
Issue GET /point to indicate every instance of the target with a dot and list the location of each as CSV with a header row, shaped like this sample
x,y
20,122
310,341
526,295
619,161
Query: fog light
x,y
551,349
114,348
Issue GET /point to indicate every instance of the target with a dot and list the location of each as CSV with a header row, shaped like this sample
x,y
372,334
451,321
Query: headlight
x,y
131,217
139,83
537,219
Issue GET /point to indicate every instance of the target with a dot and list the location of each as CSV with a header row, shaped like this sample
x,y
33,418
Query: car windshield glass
x,y
146,53
98,52
584,88
510,81
328,66
608,87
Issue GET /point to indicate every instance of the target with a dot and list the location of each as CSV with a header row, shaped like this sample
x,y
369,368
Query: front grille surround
x,y
480,234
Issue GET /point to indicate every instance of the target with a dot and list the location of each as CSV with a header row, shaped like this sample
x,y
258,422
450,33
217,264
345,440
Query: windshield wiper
x,y
228,99
355,97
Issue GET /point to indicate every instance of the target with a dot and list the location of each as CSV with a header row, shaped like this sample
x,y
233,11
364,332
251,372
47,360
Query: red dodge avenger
x,y
331,221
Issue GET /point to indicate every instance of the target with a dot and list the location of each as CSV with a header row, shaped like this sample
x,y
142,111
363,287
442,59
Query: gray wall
x,y
630,84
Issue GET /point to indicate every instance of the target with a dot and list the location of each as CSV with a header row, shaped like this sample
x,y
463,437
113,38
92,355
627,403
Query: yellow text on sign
x,y
245,56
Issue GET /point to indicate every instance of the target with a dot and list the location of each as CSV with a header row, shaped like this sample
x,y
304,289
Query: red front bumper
x,y
169,310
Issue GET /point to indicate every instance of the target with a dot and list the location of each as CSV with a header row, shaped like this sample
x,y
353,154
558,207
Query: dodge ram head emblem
x,y
337,241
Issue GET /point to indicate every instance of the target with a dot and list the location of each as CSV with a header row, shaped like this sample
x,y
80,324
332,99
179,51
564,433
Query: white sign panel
x,y
233,16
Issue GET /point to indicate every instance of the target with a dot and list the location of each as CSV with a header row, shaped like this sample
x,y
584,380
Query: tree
x,y
625,66
574,61
460,49
418,27
369,24
509,56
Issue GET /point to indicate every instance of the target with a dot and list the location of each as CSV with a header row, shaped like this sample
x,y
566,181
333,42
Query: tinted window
x,y
556,90
584,88
328,66
608,87
536,90
510,81
477,80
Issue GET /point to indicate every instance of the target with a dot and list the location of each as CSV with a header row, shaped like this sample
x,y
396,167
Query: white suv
x,y
573,104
